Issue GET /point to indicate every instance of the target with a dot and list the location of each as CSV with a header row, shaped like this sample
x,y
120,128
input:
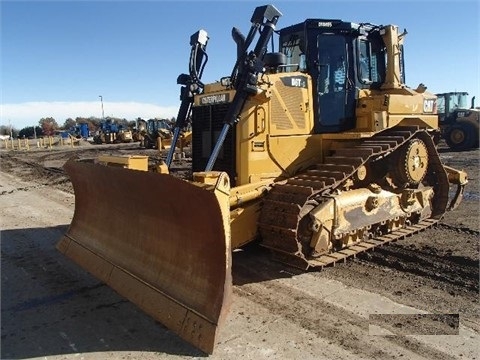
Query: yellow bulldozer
x,y
317,150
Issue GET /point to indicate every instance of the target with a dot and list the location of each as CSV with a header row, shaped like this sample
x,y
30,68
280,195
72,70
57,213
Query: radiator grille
x,y
207,123
289,97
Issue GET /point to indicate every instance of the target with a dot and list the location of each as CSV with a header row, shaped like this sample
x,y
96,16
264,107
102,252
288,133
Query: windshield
x,y
458,101
292,47
448,102
371,62
441,104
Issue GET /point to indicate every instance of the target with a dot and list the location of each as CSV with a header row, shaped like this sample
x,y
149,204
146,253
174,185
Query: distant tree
x,y
93,122
49,125
30,132
4,130
122,123
68,124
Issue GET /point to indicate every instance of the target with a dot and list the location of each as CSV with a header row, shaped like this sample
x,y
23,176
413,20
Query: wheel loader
x,y
458,123
316,149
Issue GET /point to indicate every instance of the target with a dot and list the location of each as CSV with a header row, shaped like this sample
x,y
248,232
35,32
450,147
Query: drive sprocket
x,y
412,163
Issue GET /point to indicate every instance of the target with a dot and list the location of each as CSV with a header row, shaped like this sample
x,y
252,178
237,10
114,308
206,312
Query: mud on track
x,y
277,312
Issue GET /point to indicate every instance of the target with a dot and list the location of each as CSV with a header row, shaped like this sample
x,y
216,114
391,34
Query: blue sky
x,y
57,57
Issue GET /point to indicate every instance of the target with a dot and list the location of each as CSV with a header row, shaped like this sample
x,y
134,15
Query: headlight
x,y
225,81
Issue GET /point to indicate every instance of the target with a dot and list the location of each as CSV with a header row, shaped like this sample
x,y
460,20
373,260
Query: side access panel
x,y
161,242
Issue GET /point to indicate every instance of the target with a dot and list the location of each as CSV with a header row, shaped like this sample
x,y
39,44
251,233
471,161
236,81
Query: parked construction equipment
x,y
140,129
109,132
158,131
319,150
79,131
459,122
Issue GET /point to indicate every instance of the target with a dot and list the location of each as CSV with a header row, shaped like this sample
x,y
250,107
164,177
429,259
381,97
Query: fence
x,y
45,142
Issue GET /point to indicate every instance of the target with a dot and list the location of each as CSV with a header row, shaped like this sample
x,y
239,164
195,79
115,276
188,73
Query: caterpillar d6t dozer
x,y
318,150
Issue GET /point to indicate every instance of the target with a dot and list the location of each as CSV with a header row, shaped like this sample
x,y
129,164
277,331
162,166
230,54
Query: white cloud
x,y
29,113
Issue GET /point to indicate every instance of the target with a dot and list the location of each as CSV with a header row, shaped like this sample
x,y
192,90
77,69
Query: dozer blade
x,y
159,241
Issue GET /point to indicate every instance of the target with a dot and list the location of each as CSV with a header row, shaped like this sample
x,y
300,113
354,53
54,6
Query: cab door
x,y
332,74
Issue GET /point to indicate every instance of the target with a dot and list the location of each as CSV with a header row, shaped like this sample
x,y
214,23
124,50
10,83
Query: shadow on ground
x,y
52,307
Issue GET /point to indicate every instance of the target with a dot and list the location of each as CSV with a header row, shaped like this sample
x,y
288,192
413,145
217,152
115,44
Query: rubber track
x,y
286,204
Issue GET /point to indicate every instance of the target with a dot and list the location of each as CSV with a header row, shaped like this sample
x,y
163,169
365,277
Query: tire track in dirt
x,y
266,284
459,229
347,330
453,270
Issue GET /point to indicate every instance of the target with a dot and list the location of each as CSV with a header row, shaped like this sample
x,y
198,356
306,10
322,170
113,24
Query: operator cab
x,y
342,58
447,103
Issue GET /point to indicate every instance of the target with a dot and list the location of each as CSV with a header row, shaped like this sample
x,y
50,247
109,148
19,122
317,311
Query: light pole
x,y
101,100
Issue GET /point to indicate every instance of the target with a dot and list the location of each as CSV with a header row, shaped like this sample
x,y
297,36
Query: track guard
x,y
159,241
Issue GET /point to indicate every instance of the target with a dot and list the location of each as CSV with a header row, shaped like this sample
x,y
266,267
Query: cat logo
x,y
215,99
428,105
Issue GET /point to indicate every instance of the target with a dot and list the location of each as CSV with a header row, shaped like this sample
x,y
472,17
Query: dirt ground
x,y
417,298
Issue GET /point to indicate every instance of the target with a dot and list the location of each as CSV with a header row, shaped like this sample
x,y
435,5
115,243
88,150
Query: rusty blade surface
x,y
159,241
